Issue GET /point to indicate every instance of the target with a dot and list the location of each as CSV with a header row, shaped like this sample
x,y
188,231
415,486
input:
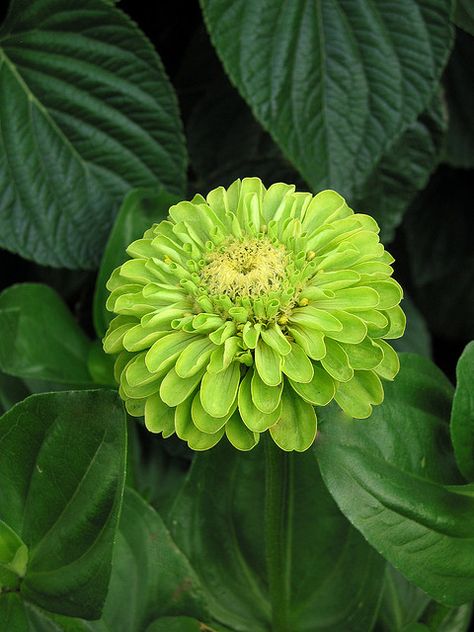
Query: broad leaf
x,y
334,83
12,390
12,613
151,576
217,521
387,473
91,114
40,338
462,414
140,209
403,170
402,602
225,142
61,479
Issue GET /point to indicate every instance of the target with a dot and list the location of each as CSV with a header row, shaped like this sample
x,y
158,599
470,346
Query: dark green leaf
x,y
459,83
387,473
40,338
61,475
181,624
462,414
12,390
90,115
403,170
13,617
151,576
140,209
402,602
217,521
334,83
464,15
416,338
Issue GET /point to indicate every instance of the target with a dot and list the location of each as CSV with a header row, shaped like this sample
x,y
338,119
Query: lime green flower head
x,y
243,310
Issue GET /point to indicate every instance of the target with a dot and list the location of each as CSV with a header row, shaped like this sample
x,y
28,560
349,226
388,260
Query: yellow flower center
x,y
245,267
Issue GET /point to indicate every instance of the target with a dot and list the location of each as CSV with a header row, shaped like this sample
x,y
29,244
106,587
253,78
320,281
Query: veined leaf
x,y
87,114
334,83
390,475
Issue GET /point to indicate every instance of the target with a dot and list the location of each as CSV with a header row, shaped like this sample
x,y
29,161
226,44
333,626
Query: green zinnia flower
x,y
243,310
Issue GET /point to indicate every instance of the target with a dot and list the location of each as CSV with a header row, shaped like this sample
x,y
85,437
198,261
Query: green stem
x,y
277,482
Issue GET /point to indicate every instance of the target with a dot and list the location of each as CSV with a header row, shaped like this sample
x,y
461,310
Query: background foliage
x,y
110,112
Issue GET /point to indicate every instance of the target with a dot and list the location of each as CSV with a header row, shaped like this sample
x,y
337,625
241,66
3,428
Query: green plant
x,y
259,312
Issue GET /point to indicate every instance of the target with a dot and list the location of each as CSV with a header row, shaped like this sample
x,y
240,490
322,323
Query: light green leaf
x,y
62,472
317,81
84,82
13,557
462,413
397,497
40,338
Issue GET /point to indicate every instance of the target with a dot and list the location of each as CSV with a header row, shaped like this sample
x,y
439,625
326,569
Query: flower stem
x,y
277,508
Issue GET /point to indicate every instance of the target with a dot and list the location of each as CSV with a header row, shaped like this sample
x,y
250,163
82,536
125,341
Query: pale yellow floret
x,y
245,268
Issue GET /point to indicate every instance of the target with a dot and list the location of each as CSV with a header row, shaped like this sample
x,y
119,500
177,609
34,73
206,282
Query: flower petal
x,y
194,357
390,364
296,428
219,390
356,396
174,389
336,362
320,391
203,420
239,435
186,430
297,365
312,342
158,416
268,363
252,417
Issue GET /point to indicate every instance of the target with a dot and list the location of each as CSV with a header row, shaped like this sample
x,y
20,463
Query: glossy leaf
x,y
403,170
462,414
91,114
333,84
151,576
40,338
140,209
61,476
217,521
397,496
